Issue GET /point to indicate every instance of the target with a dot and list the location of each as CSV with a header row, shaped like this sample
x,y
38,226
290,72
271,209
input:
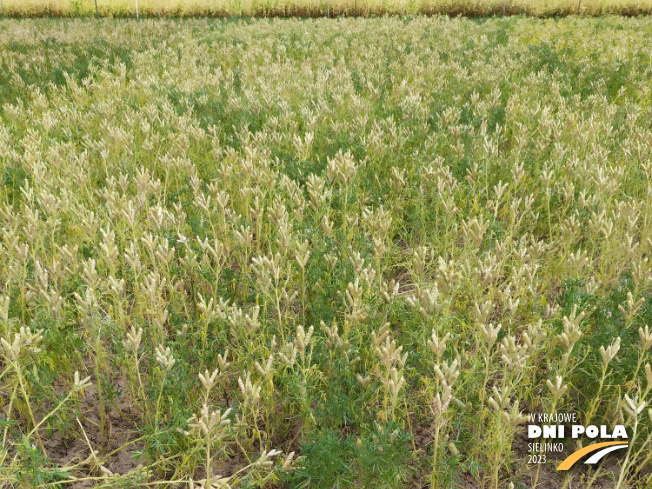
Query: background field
x,y
377,244
318,8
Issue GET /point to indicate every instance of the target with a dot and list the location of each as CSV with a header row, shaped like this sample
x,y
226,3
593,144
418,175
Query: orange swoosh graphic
x,y
574,457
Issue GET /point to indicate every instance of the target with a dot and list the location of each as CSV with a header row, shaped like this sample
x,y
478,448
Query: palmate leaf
x,y
6,423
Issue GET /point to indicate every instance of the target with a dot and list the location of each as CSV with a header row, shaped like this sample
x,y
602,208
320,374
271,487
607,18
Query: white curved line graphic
x,y
594,459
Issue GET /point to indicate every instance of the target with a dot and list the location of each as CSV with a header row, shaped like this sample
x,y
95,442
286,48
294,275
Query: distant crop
x,y
316,254
320,8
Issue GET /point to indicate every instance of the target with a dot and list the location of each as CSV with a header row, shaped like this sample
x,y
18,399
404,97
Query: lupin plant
x,y
383,242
